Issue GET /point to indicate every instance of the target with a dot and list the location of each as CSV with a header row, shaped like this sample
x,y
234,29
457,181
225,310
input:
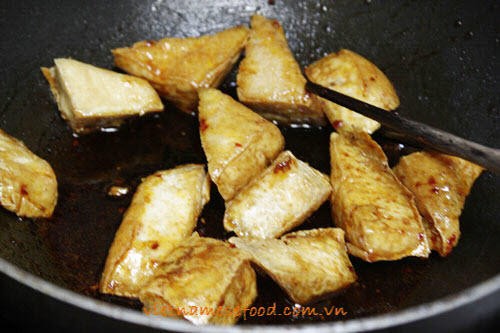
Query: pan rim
x,y
383,321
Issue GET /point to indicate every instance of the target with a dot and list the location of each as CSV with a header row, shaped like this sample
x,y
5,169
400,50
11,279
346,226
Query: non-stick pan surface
x,y
442,56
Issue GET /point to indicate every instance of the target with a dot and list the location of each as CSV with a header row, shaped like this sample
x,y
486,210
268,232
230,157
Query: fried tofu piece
x,y
307,264
178,67
163,212
351,74
280,199
90,98
28,185
239,144
440,183
202,275
377,212
270,80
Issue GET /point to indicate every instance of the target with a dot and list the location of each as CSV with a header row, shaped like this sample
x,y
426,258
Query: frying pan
x,y
442,56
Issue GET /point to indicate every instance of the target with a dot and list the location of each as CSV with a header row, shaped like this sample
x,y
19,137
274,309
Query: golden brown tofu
x,y
178,67
377,212
205,280
163,212
90,98
270,80
440,183
353,75
28,185
306,264
281,198
239,144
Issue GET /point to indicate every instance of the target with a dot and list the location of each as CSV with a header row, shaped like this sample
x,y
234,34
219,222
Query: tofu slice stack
x,y
163,212
202,274
178,67
350,73
377,212
279,199
308,264
28,185
270,80
239,144
90,98
440,183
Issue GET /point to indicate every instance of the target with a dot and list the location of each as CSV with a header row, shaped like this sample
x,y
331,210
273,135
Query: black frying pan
x,y
443,58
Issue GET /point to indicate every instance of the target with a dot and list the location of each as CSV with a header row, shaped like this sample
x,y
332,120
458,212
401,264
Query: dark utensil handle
x,y
418,133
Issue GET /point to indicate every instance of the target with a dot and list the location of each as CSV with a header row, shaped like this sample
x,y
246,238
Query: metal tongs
x,y
413,132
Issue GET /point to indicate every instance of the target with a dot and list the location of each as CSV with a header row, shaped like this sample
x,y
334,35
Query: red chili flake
x,y
282,166
221,303
154,246
350,268
452,239
337,124
121,210
408,270
421,236
291,237
203,125
112,285
150,43
75,143
417,184
232,245
372,79
238,144
435,190
276,24
24,192
432,181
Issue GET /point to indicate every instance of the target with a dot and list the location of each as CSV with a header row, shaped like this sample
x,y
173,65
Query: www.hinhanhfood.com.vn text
x,y
245,311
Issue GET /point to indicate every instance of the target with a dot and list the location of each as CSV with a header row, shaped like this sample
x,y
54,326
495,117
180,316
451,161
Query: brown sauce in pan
x,y
86,218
